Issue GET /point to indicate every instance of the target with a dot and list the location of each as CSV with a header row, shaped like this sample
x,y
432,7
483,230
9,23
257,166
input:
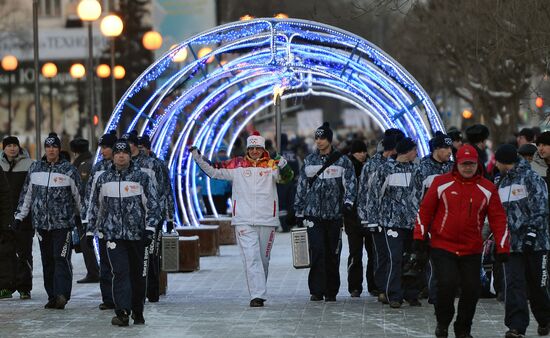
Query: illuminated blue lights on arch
x,y
210,104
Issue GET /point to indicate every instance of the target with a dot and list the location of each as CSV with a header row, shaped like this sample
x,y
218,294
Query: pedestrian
x,y
255,207
52,193
527,151
451,218
541,159
391,194
124,209
525,198
477,136
456,136
16,258
106,143
326,190
391,137
525,136
83,162
358,238
436,163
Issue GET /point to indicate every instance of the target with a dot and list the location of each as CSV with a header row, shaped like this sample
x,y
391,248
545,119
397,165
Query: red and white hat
x,y
255,140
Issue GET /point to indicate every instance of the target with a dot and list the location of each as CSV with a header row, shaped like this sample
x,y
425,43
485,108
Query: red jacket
x,y
453,212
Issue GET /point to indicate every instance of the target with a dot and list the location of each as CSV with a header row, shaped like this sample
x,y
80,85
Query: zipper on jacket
x,y
120,203
47,189
470,208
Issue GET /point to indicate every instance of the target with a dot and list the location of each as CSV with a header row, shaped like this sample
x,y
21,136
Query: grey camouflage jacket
x,y
124,204
324,199
153,168
165,188
98,169
52,192
391,200
524,195
425,172
368,171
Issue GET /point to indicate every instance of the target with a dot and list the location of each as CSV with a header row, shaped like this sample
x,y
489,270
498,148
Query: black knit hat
x,y
506,154
454,134
121,145
144,141
544,138
405,145
131,137
324,132
391,137
357,146
440,140
52,141
79,145
528,149
10,140
108,140
477,133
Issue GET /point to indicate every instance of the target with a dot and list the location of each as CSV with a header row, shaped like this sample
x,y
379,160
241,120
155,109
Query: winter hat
x,y
52,141
357,146
405,145
528,133
108,139
454,134
391,137
121,145
440,140
477,133
255,140
506,154
131,137
528,149
324,132
144,141
544,138
10,140
466,153
79,145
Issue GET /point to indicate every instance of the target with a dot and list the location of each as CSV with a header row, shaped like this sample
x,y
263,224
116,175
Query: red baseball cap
x,y
466,153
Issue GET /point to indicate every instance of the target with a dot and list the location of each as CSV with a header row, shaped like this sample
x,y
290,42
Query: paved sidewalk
x,y
213,302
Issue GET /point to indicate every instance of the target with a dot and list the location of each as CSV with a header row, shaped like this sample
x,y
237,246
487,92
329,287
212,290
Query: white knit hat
x,y
255,140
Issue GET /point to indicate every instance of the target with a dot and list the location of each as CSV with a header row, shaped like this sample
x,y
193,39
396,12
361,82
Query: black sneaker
x,y
330,298
121,320
138,318
395,305
316,298
415,302
60,302
105,306
355,293
513,333
88,279
441,331
257,302
50,304
543,330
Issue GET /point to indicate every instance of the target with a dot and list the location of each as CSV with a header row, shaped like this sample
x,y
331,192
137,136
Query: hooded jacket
x,y
391,196
524,195
124,204
153,168
365,180
254,190
52,191
16,172
425,172
453,212
335,186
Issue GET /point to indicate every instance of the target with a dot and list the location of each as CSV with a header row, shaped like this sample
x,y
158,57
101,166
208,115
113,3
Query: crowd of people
x,y
428,225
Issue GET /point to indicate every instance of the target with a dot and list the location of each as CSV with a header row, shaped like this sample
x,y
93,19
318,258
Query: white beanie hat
x,y
255,140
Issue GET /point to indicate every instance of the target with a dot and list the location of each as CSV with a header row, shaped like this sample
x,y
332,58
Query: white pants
x,y
255,243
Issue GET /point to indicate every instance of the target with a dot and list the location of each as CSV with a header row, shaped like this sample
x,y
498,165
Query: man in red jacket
x,y
451,216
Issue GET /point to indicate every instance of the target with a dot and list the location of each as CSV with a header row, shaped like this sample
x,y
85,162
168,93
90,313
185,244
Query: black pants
x,y
129,264
452,272
105,274
357,240
526,278
55,248
16,260
325,246
88,253
153,274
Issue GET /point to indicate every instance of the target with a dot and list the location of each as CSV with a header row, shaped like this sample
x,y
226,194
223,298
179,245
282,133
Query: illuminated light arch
x,y
207,104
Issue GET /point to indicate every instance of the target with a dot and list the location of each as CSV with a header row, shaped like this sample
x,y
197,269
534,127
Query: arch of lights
x,y
209,100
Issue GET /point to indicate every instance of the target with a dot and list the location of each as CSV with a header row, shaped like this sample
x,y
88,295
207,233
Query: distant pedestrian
x,y
525,136
527,151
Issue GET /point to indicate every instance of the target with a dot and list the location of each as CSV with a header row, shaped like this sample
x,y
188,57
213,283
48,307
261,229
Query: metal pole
x,y
51,105
113,84
37,110
9,103
90,80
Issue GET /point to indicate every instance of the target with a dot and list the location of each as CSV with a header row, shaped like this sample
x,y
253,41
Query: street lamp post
x,y
112,26
89,11
9,64
49,71
77,72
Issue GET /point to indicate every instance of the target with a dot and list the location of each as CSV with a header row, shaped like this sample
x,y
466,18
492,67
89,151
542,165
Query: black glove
x,y
502,257
148,237
529,241
348,211
300,222
169,226
192,148
15,225
90,239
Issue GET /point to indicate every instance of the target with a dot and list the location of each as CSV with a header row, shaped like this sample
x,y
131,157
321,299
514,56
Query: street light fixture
x,y
49,71
180,56
9,64
112,26
103,71
205,51
89,11
152,40
77,72
281,16
119,72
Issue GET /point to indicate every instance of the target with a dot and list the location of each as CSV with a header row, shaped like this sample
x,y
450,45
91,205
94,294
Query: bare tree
x,y
14,25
